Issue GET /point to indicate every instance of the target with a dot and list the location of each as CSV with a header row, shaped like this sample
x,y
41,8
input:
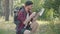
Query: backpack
x,y
16,10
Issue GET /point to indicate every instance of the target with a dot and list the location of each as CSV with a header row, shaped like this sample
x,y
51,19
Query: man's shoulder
x,y
22,10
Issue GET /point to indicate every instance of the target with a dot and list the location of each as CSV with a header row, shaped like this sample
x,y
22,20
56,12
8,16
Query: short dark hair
x,y
27,3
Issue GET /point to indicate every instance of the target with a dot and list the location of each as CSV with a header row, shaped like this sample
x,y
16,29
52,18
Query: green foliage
x,y
17,3
23,1
36,5
55,26
55,4
47,15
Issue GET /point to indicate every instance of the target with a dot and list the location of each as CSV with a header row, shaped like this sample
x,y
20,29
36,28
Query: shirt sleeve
x,y
30,14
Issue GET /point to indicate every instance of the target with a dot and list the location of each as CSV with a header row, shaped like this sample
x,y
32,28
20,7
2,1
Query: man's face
x,y
30,7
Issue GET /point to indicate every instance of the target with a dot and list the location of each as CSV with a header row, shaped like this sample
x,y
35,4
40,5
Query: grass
x,y
4,31
45,27
7,27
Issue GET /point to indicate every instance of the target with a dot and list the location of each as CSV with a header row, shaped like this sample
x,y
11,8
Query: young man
x,y
23,14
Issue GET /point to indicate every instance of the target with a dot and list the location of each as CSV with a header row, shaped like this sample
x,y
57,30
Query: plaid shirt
x,y
21,17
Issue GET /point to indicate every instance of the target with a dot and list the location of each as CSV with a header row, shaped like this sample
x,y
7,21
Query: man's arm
x,y
35,15
38,14
28,19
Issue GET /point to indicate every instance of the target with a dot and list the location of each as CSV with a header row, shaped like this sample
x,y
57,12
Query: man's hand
x,y
33,14
28,19
38,14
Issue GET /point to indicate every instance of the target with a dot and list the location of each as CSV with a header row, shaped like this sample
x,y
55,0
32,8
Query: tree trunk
x,y
59,12
6,10
11,7
0,7
3,5
0,4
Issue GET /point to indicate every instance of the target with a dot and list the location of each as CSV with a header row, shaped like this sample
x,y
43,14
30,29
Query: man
x,y
23,14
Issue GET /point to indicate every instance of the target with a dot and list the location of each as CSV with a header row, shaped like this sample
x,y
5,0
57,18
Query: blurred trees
x,y
55,5
23,1
36,5
7,8
57,8
48,10
52,7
